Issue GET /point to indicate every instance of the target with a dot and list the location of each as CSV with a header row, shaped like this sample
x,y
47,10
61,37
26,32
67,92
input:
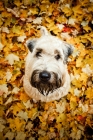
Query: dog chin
x,y
45,88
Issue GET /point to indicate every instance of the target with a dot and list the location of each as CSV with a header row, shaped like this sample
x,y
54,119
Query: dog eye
x,y
57,57
38,54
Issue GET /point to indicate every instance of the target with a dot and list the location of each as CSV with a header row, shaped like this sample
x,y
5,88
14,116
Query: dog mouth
x,y
46,82
44,89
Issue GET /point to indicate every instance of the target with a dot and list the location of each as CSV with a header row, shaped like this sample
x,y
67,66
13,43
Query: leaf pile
x,y
70,118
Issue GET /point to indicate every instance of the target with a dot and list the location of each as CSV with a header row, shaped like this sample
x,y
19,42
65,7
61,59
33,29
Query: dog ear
x,y
68,50
44,31
30,44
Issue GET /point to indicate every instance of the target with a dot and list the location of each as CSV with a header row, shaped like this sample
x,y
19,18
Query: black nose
x,y
44,76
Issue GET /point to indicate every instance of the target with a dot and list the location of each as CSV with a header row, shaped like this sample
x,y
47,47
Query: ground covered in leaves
x,y
70,118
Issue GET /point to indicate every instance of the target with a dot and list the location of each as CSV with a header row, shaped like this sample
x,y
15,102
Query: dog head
x,y
46,62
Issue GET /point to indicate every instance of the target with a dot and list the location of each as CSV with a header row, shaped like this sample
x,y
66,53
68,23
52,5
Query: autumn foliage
x,y
70,118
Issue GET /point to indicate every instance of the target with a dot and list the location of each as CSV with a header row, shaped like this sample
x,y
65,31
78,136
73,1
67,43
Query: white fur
x,y
47,62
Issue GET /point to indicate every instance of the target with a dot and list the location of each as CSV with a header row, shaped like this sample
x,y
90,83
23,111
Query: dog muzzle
x,y
46,82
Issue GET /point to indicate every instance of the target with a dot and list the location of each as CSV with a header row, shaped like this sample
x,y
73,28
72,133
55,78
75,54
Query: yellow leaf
x,y
17,30
84,3
1,112
51,129
2,77
44,125
89,93
23,14
27,2
73,105
16,124
72,124
17,108
62,117
1,22
32,112
48,20
17,2
51,25
77,40
83,78
1,6
58,126
79,62
24,97
84,40
90,8
16,73
6,14
89,61
67,11
61,19
87,28
73,98
55,30
76,71
77,10
43,8
51,8
83,52
33,11
77,83
1,100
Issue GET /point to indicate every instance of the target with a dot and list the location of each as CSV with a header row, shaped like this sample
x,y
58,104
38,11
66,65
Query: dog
x,y
46,76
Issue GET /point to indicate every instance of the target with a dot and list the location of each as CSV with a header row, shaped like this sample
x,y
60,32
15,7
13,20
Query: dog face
x,y
46,67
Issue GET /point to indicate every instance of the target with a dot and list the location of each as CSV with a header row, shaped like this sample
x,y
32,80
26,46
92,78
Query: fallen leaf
x,y
28,104
20,136
60,107
1,127
5,30
15,90
17,108
65,35
88,93
77,92
83,106
79,62
62,117
71,21
11,58
8,75
1,46
38,20
29,126
16,124
17,30
87,70
84,23
23,115
4,88
21,38
9,135
9,100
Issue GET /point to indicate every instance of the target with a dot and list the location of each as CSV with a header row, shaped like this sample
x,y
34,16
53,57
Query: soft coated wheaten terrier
x,y
46,76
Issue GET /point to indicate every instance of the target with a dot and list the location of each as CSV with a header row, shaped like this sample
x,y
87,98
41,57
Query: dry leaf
x,y
9,135
20,117
20,136
23,115
11,58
